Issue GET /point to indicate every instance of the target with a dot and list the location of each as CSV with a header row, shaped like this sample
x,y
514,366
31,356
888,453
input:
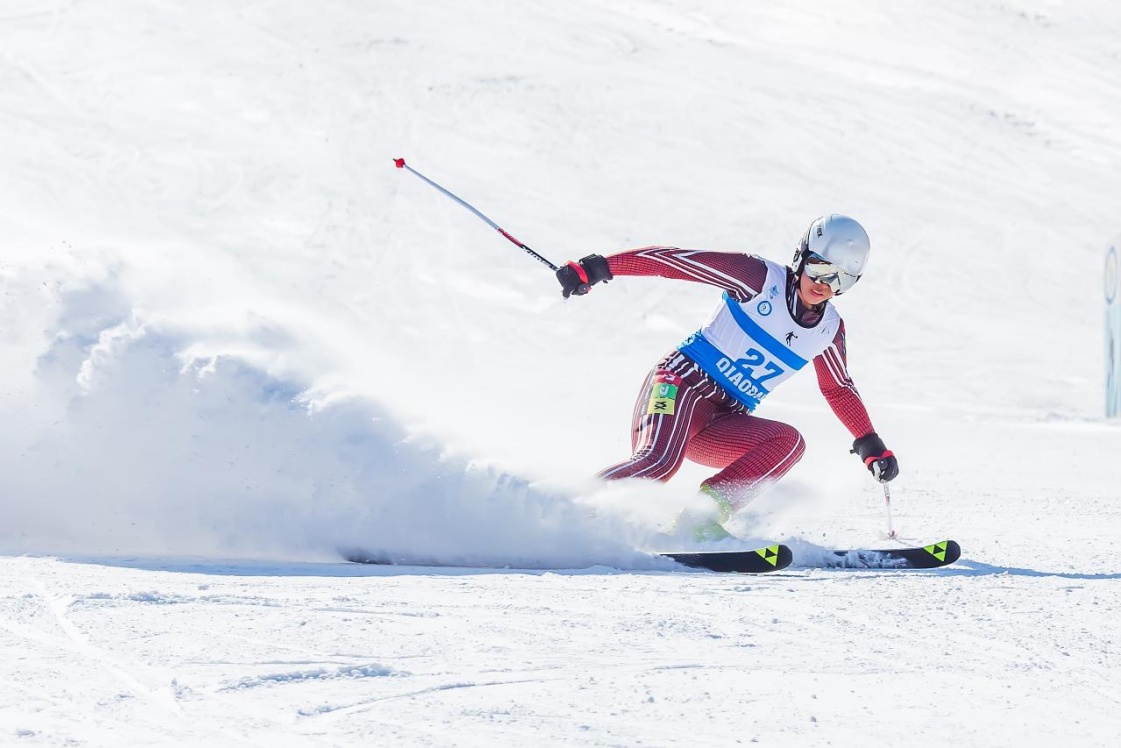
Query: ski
x,y
762,560
755,561
930,556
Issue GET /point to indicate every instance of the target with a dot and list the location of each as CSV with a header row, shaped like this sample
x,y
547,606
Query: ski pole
x,y
887,507
400,162
887,498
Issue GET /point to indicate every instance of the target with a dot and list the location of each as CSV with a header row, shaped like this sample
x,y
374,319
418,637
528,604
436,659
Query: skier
x,y
698,402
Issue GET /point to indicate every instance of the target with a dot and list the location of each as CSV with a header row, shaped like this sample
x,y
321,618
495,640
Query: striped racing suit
x,y
695,405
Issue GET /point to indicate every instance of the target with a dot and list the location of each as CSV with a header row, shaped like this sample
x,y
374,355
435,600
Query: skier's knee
x,y
785,438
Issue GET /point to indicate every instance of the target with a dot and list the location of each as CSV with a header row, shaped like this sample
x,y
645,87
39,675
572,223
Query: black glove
x,y
877,457
579,277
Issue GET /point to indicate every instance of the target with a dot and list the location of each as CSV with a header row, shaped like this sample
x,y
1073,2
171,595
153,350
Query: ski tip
x,y
942,553
952,552
400,162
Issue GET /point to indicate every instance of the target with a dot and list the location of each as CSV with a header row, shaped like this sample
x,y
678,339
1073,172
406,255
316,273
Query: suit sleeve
x,y
741,275
838,388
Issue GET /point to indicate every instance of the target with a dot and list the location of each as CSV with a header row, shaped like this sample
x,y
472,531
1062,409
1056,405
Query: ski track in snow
x,y
235,343
543,654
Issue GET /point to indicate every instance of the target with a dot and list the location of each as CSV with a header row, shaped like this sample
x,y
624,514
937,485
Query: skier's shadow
x,y
967,568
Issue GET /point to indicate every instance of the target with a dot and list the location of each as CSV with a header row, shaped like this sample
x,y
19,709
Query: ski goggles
x,y
821,270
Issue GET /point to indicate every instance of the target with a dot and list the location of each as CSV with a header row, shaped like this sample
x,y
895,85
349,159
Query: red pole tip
x,y
400,163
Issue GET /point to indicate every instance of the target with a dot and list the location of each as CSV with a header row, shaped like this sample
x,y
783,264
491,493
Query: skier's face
x,y
813,293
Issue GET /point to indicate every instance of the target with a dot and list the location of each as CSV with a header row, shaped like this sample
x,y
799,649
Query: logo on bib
x,y
764,308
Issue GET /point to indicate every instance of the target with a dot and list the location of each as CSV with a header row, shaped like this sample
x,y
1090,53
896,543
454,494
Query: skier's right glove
x,y
879,460
579,277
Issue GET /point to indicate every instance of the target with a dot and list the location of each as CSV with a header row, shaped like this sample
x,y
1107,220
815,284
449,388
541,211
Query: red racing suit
x,y
705,423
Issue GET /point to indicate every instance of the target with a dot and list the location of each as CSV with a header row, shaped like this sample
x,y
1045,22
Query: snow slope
x,y
234,339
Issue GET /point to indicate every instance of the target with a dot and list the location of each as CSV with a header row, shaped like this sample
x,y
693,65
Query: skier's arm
x,y
838,388
840,392
741,275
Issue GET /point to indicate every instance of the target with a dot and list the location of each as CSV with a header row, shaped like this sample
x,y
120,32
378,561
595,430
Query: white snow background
x,y
235,340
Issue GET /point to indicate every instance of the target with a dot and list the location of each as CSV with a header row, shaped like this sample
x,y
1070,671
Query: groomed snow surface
x,y
236,342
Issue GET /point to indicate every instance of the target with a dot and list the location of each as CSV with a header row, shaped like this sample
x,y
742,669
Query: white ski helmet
x,y
839,241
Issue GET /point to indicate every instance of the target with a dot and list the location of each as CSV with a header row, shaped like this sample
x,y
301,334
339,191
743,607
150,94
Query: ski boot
x,y
706,526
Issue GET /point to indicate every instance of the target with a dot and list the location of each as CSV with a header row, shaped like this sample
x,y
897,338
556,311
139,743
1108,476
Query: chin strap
x,y
792,282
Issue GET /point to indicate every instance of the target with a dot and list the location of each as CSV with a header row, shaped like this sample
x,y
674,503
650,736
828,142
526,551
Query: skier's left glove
x,y
879,460
579,277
